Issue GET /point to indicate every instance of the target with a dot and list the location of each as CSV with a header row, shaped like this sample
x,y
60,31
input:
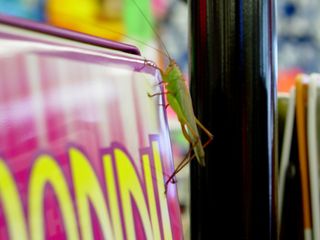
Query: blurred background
x,y
141,23
298,39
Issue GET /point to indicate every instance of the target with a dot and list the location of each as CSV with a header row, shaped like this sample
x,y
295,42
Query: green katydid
x,y
178,97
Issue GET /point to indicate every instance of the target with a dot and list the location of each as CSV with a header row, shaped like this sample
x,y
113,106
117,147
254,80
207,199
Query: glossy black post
x,y
233,86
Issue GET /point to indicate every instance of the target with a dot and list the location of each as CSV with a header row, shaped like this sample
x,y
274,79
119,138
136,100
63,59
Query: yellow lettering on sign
x,y
87,188
47,171
162,196
131,191
11,203
112,197
126,198
151,196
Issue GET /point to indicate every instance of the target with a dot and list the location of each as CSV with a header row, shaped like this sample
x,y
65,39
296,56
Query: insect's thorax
x,y
173,78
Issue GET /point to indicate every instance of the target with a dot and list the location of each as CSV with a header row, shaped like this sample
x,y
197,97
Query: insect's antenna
x,y
116,32
138,41
151,26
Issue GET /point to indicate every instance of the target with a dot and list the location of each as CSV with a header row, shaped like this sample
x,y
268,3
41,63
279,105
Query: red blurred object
x,y
286,79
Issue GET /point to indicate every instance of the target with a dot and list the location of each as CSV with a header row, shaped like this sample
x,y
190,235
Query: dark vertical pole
x,y
233,85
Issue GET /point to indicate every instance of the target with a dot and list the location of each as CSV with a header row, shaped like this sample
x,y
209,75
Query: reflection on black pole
x,y
233,86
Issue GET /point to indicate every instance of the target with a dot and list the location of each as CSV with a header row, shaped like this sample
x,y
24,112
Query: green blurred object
x,y
137,26
283,101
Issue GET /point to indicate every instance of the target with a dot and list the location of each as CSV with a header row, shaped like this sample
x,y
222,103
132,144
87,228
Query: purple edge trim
x,y
68,34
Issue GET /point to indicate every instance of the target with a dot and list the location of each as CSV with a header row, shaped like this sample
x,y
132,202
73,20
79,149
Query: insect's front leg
x,y
147,63
160,83
164,105
157,94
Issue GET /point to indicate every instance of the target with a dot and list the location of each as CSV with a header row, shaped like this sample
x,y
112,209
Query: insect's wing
x,y
185,102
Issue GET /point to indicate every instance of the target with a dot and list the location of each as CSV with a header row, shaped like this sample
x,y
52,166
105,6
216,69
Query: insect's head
x,y
172,64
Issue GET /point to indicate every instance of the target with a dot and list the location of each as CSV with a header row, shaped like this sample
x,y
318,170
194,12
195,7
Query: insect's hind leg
x,y
185,133
180,166
186,159
207,132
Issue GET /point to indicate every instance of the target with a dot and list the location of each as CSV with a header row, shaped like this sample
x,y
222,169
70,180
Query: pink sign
x,y
84,152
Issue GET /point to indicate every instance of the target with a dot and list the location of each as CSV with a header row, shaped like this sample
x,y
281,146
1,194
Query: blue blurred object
x,y
33,10
289,9
299,35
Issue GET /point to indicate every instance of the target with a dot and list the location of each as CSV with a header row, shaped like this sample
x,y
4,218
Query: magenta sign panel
x,y
84,152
